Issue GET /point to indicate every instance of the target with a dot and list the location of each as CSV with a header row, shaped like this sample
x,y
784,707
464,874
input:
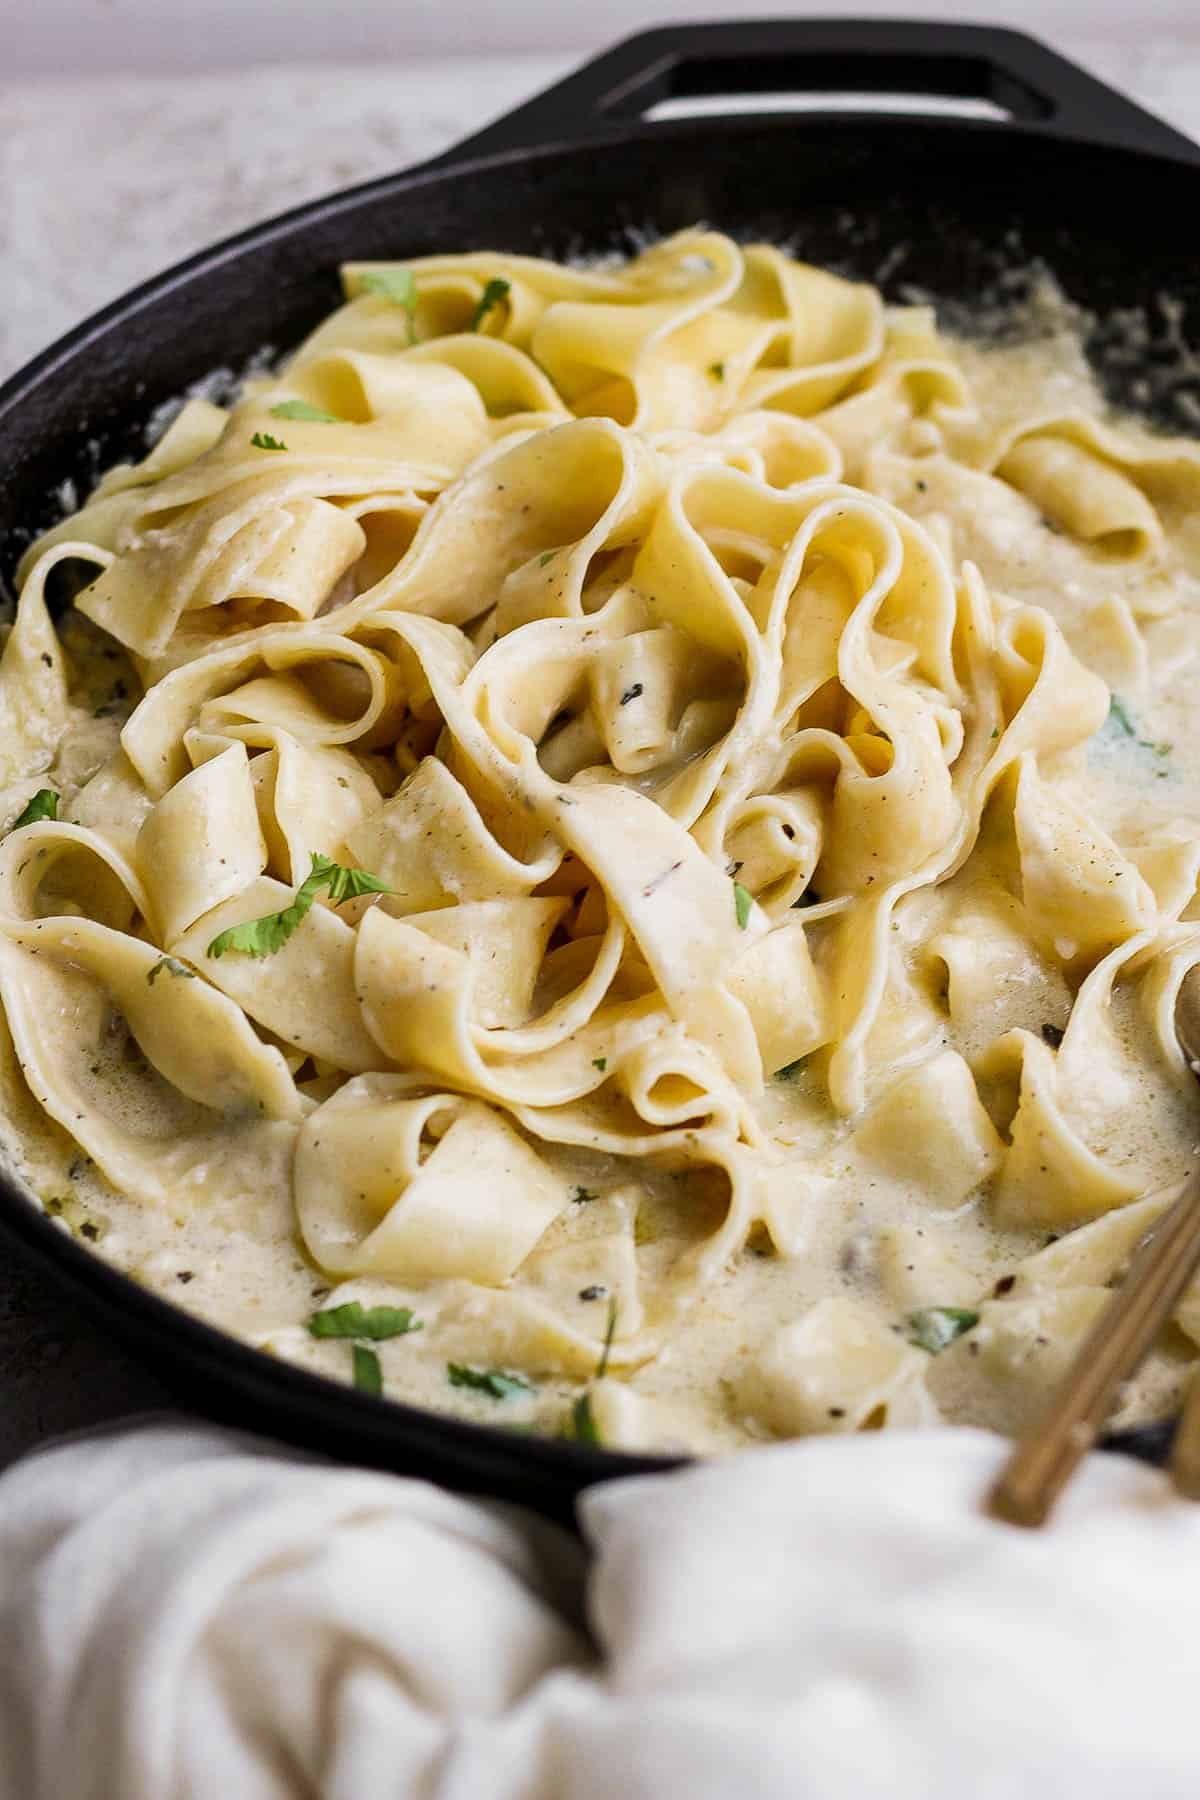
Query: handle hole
x,y
857,100
811,80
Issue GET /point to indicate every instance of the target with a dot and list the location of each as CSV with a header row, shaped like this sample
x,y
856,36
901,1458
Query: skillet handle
x,y
773,56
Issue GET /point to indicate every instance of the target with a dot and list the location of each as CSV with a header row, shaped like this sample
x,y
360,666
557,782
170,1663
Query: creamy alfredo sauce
x,y
914,1251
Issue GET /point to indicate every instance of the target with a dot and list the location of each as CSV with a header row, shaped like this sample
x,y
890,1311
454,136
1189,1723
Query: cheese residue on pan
x,y
611,851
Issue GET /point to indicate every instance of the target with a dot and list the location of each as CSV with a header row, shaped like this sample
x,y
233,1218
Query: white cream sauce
x,y
868,1236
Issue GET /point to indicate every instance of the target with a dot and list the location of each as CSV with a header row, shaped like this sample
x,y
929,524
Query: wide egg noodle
x,y
147,1067
740,866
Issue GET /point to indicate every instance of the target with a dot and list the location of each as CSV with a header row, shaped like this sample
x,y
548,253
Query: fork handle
x,y
1042,1462
1185,1451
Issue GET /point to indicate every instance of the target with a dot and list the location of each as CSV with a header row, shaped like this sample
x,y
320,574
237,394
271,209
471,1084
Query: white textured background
x,y
109,172
135,131
120,36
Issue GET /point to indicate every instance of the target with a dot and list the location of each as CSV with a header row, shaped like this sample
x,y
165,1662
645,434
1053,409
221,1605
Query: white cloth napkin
x,y
187,1612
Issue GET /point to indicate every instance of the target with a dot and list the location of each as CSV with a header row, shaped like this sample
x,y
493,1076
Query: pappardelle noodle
x,y
611,850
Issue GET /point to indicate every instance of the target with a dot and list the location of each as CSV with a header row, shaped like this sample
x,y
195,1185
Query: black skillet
x,y
1069,172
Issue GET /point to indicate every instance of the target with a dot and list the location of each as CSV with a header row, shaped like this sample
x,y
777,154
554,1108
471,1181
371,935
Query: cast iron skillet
x,y
1075,174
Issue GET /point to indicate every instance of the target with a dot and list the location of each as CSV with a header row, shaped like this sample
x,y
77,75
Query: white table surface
x,y
105,180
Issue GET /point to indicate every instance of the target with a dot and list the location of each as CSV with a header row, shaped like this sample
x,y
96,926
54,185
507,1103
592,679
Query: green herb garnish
x,y
346,884
368,1375
353,1320
717,371
582,1195
600,1062
609,1333
496,1383
44,805
495,291
933,1327
583,1424
1119,716
743,901
262,440
173,966
398,286
262,937
790,1070
304,409
547,556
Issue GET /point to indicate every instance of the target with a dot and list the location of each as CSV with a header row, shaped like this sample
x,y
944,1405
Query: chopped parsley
x,y
356,1321
346,884
609,1333
398,286
44,805
353,1320
582,1195
596,1291
995,732
790,1070
262,937
600,1062
173,966
495,291
1125,726
368,1375
304,409
933,1327
547,556
262,440
743,901
632,693
1118,716
583,1424
496,1383
717,371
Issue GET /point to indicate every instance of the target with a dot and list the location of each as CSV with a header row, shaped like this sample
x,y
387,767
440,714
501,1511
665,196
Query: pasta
x,y
618,842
